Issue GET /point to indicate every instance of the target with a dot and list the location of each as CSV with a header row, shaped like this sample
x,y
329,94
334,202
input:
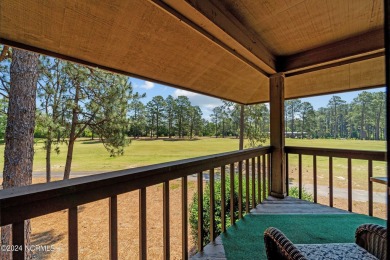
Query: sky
x,y
151,89
207,103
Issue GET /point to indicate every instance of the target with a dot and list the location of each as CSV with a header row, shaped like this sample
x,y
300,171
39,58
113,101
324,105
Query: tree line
x,y
363,118
178,118
169,117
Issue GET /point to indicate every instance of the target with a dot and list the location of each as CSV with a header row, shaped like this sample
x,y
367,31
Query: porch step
x,y
212,251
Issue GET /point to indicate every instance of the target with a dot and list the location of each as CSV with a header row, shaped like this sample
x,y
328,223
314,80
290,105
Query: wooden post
x,y
387,61
278,171
241,146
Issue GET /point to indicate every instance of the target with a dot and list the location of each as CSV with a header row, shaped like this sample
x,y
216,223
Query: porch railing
x,y
350,155
22,203
249,167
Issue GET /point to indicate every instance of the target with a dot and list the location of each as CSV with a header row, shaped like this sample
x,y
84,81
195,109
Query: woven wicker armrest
x,y
278,246
373,238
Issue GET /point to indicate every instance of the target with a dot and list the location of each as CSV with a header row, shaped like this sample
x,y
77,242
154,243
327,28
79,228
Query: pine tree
x,y
19,139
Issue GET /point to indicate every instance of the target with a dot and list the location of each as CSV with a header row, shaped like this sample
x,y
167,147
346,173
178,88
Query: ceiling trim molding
x,y
369,42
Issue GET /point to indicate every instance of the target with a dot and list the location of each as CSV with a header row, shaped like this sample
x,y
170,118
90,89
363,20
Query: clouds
x,y
147,85
206,103
180,92
137,84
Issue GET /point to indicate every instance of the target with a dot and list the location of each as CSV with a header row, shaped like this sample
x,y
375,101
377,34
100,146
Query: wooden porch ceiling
x,y
226,49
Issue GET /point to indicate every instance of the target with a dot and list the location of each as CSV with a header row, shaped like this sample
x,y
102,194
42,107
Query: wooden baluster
x,y
240,189
18,240
269,173
331,181
300,175
212,206
73,234
315,177
142,224
223,199
184,217
350,184
258,180
253,183
247,198
370,190
232,194
287,174
113,213
200,212
166,228
264,178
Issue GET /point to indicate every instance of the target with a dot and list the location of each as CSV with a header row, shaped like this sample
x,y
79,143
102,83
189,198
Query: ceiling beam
x,y
212,20
351,48
336,63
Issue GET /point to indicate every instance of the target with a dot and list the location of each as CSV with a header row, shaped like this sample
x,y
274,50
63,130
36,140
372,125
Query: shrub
x,y
206,208
294,192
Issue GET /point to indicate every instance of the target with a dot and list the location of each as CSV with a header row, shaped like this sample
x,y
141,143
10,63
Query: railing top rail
x,y
17,204
341,153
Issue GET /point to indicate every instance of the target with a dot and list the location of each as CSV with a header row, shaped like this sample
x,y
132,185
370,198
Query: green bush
x,y
294,192
217,212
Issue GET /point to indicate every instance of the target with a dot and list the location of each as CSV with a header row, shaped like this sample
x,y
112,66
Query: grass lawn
x,y
340,165
91,156
337,143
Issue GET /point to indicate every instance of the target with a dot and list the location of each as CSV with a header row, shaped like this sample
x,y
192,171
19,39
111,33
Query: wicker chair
x,y
278,246
373,238
370,244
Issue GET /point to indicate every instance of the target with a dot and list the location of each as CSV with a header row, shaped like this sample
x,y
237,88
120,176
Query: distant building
x,y
295,134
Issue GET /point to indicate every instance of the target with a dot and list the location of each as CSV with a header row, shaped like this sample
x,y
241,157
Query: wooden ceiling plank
x,y
348,77
284,26
367,42
213,14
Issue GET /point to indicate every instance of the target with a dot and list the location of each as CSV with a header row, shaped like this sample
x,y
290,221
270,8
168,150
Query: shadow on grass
x,y
166,139
46,240
91,142
180,139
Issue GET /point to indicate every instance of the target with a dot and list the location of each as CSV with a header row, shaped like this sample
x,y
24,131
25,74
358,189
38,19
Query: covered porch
x,y
243,51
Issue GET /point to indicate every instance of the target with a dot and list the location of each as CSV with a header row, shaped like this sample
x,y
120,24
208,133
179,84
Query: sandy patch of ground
x,y
93,225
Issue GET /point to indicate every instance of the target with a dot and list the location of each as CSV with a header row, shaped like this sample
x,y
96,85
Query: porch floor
x,y
270,205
